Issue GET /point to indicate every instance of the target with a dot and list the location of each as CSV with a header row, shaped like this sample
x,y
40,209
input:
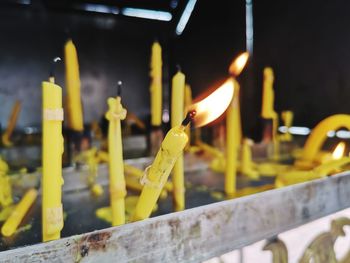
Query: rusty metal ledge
x,y
199,233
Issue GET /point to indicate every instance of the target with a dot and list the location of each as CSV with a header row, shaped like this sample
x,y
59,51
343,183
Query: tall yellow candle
x,y
75,112
156,84
231,145
11,123
237,114
21,209
117,188
177,115
52,210
233,126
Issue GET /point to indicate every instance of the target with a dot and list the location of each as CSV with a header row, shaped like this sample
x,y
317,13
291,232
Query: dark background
x,y
306,42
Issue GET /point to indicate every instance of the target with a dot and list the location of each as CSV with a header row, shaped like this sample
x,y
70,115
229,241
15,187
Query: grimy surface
x,y
199,233
80,206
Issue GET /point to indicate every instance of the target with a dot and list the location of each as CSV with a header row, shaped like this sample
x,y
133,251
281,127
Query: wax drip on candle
x,y
53,67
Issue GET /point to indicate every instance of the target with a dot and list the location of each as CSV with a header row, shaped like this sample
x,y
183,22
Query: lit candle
x,y
177,114
318,136
233,126
75,112
157,174
21,209
52,210
117,188
297,176
11,124
205,111
156,84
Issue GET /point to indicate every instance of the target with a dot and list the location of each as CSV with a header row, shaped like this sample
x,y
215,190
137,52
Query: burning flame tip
x,y
339,151
213,106
238,64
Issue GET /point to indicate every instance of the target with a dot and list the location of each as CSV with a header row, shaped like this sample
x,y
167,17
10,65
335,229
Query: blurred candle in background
x,y
156,84
6,137
177,115
75,111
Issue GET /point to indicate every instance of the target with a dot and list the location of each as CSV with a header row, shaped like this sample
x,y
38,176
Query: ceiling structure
x,y
175,13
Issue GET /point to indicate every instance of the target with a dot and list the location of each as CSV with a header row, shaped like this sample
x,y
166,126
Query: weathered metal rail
x,y
199,233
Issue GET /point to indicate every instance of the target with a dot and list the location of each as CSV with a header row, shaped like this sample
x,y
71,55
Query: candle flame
x,y
339,151
214,105
238,64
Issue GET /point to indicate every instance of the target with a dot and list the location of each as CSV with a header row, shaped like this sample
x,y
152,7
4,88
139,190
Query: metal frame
x,y
199,233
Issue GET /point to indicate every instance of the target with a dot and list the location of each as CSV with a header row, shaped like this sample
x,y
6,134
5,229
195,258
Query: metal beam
x,y
199,233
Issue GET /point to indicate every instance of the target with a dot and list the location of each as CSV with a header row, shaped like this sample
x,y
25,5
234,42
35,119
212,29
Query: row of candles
x,y
168,158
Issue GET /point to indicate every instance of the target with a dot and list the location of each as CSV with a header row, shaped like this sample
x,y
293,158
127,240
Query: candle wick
x,y
178,67
189,117
53,66
119,88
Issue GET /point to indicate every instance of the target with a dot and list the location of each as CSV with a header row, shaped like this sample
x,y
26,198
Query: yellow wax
x,y
5,190
287,117
247,163
177,115
18,213
297,176
267,111
75,112
275,141
5,185
330,166
115,114
318,136
52,181
237,114
231,147
157,174
11,123
188,103
156,84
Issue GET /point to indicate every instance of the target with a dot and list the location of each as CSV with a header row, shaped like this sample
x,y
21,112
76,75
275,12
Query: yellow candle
x,y
247,165
18,213
177,115
231,146
117,188
52,210
75,112
11,124
5,183
297,176
237,114
287,117
156,84
267,111
157,174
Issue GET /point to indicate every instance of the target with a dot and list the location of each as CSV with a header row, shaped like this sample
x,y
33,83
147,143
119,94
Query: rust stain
x,y
94,241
